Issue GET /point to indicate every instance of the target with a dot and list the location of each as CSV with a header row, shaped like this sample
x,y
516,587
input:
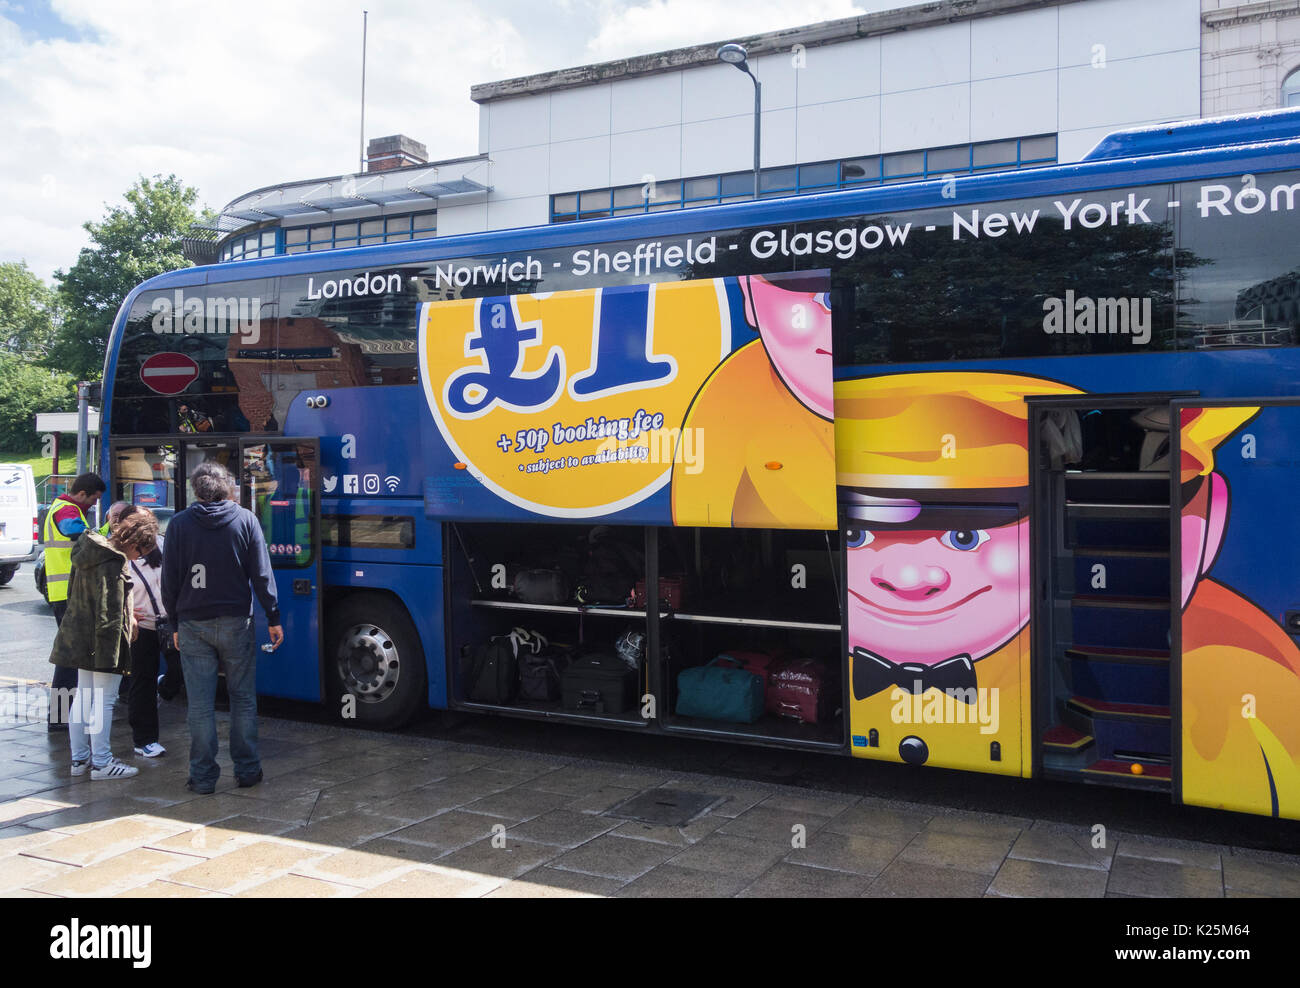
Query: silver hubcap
x,y
368,663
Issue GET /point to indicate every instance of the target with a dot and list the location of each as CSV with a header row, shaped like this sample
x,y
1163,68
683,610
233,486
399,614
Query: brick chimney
x,y
397,151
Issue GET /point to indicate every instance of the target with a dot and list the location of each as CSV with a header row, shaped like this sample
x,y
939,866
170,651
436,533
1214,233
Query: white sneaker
x,y
114,770
152,750
80,768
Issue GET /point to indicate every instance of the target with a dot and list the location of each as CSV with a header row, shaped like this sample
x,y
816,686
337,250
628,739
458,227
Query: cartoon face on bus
x,y
926,595
795,326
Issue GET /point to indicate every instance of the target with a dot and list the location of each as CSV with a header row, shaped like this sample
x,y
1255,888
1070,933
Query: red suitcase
x,y
670,592
797,688
759,663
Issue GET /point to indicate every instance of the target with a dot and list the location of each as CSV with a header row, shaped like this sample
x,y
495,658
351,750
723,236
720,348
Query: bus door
x,y
279,482
1100,526
1235,633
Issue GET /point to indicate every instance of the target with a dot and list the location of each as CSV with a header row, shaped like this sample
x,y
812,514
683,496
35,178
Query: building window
x,y
822,176
1291,89
332,236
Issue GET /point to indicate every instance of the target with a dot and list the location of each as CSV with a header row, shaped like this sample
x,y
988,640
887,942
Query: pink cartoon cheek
x,y
1193,528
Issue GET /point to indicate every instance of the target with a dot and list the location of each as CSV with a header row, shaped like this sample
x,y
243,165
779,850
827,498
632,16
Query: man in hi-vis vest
x,y
64,523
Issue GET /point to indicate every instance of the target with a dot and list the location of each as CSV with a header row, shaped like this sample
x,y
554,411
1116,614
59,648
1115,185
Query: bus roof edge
x,y
1190,135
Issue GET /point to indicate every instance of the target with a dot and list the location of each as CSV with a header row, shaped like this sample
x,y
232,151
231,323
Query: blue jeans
x,y
203,643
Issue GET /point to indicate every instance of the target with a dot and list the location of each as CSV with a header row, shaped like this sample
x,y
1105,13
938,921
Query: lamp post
x,y
736,55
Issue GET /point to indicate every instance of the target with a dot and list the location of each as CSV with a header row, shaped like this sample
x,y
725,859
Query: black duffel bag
x,y
541,586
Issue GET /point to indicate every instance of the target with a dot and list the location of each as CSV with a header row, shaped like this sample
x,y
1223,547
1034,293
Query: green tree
x,y
131,244
25,389
27,312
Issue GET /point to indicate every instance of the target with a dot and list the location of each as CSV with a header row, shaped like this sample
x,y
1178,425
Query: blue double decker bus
x,y
993,472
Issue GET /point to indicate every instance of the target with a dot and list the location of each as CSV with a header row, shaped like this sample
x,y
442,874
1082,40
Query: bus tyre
x,y
374,657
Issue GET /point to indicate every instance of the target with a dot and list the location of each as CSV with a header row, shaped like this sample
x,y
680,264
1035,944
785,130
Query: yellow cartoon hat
x,y
936,432
1201,432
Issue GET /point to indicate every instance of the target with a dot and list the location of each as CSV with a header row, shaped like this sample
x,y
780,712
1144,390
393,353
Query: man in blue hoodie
x,y
214,560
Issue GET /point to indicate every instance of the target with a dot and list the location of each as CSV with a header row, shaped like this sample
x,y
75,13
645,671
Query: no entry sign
x,y
168,373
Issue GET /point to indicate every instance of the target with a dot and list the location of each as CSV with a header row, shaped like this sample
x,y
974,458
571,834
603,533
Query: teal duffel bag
x,y
721,690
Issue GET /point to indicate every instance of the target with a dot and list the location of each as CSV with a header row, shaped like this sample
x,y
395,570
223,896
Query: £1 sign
x,y
569,404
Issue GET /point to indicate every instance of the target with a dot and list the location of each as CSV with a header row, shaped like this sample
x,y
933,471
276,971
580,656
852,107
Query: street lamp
x,y
736,55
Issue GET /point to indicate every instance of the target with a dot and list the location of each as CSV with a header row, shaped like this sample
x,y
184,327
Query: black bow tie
x,y
873,673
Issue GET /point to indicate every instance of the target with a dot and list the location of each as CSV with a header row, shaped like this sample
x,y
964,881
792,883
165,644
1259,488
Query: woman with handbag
x,y
141,528
95,638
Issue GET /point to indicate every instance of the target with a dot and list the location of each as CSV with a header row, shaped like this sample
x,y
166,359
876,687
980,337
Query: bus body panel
x,y
1237,684
383,453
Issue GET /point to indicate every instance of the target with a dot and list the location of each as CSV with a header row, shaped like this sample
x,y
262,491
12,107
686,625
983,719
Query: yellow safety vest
x,y
58,552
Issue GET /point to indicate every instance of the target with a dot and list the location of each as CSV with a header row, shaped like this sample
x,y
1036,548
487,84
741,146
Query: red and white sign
x,y
168,373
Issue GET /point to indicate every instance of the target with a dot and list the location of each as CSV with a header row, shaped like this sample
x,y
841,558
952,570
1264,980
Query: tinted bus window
x,y
1239,260
345,329
985,280
368,531
190,361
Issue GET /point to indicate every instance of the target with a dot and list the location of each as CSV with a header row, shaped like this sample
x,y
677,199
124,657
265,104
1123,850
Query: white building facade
x,y
953,87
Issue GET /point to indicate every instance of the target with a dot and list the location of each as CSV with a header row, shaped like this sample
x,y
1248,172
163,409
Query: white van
x,y
20,539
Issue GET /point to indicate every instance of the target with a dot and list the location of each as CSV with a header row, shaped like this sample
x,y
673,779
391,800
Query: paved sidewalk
x,y
349,813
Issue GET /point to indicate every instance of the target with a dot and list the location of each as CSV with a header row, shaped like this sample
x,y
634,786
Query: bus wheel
x,y
375,665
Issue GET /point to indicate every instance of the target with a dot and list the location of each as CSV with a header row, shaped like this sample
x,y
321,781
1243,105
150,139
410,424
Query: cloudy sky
x,y
236,95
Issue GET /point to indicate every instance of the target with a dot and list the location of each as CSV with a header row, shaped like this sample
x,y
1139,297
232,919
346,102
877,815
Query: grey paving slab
x,y
957,851
116,874
727,854
450,830
77,818
1247,875
916,879
1038,879
563,828
696,830
346,829
1073,846
1180,852
246,866
358,867
160,888
106,840
1163,879
820,804
878,819
400,850
424,883
777,825
18,871
552,883
297,887
847,853
674,882
614,857
207,841
598,800
518,804
504,859
984,825
792,881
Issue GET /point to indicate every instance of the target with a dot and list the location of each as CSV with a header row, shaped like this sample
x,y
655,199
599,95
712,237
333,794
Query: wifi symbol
x,y
392,483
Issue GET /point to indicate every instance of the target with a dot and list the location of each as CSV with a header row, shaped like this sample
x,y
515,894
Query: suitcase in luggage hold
x,y
759,663
721,690
599,682
490,672
671,592
541,586
539,674
797,689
